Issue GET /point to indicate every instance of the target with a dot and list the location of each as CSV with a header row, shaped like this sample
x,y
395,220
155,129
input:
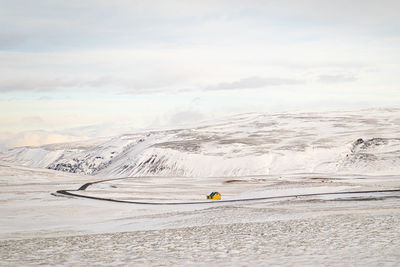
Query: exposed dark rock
x,y
359,141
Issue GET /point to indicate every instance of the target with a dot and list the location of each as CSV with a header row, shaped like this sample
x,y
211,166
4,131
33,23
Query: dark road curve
x,y
85,186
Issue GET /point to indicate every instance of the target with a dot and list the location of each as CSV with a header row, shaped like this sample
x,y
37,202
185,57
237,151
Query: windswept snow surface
x,y
247,156
37,228
364,142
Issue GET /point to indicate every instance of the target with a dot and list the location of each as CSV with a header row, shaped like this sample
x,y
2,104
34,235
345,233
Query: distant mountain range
x,y
364,142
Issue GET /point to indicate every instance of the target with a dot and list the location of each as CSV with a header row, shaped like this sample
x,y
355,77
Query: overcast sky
x,y
67,64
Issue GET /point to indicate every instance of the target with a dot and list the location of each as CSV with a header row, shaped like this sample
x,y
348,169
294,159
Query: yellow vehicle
x,y
214,195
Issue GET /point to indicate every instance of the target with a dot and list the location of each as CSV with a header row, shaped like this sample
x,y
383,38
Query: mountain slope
x,y
366,141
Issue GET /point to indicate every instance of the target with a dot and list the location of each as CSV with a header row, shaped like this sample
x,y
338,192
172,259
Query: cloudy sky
x,y
90,68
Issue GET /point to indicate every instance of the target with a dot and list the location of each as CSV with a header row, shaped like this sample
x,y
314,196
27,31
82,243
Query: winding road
x,y
85,186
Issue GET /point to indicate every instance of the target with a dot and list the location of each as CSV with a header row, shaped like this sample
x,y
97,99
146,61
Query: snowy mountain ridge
x,y
364,142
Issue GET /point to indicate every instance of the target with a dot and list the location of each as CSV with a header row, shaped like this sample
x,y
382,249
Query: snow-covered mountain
x,y
366,141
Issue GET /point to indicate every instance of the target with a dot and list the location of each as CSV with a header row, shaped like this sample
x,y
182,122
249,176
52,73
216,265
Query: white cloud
x,y
336,78
127,84
253,82
32,120
186,117
36,138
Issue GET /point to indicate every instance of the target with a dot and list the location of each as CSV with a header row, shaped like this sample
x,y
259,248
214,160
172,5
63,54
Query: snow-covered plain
x,y
252,155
